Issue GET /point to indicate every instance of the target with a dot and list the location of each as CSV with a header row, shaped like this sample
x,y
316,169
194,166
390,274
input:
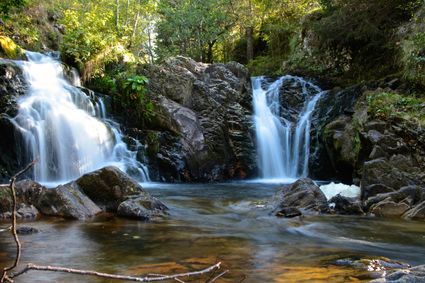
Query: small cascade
x,y
283,145
67,129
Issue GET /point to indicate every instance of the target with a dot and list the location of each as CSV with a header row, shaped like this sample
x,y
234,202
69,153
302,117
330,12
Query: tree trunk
x,y
249,44
126,12
117,14
136,23
210,55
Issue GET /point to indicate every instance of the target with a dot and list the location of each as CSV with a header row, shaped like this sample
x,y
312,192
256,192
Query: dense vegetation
x,y
342,41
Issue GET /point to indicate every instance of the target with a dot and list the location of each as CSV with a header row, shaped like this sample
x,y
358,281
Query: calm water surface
x,y
218,222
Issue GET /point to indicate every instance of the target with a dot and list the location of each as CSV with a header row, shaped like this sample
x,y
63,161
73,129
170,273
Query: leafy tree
x,y
7,5
192,27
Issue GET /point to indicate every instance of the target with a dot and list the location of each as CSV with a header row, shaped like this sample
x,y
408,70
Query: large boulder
x,y
108,187
67,201
203,116
114,191
304,194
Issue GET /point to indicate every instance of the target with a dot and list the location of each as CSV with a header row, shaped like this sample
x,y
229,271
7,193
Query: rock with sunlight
x,y
113,190
203,112
67,201
304,194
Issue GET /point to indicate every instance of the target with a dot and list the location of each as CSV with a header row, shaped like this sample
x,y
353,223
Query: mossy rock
x,y
9,49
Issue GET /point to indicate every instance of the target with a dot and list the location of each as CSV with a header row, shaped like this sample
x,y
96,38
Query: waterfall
x,y
283,145
67,129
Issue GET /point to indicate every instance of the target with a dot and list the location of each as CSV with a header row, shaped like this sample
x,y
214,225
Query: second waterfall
x,y
283,134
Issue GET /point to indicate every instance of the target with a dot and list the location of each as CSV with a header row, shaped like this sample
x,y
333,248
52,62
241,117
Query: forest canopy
x,y
268,35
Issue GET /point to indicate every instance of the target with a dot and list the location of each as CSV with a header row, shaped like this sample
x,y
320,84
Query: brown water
x,y
221,222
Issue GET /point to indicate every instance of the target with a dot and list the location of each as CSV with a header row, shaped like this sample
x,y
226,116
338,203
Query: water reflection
x,y
219,222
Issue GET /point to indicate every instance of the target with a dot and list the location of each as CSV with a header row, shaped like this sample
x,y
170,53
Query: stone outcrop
x,y
204,114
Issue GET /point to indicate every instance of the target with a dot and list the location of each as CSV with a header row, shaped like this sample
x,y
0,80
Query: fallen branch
x,y
4,275
31,266
218,276
6,229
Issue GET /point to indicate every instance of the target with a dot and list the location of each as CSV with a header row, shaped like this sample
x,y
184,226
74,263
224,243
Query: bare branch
x,y
218,276
4,275
31,266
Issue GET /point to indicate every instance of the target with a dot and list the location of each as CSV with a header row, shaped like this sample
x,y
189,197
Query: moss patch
x,y
9,48
392,105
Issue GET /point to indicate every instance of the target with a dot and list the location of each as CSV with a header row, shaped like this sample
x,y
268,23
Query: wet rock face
x,y
205,112
304,195
329,109
12,85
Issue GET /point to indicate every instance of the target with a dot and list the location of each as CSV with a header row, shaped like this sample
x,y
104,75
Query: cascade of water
x,y
66,129
283,146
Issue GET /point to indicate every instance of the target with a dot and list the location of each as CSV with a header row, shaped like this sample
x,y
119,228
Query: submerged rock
x,y
408,275
25,230
142,207
304,194
289,212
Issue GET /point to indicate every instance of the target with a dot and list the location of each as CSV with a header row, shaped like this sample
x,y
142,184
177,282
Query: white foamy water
x,y
283,147
332,189
65,128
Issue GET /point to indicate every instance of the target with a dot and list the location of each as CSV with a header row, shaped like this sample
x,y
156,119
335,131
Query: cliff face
x,y
12,85
203,128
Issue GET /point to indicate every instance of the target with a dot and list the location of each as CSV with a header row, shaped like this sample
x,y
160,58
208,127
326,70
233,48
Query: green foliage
x,y
100,32
413,58
191,27
7,5
391,105
133,96
265,65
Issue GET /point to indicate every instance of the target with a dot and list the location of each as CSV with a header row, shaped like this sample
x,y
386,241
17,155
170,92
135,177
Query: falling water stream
x,y
283,145
66,129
